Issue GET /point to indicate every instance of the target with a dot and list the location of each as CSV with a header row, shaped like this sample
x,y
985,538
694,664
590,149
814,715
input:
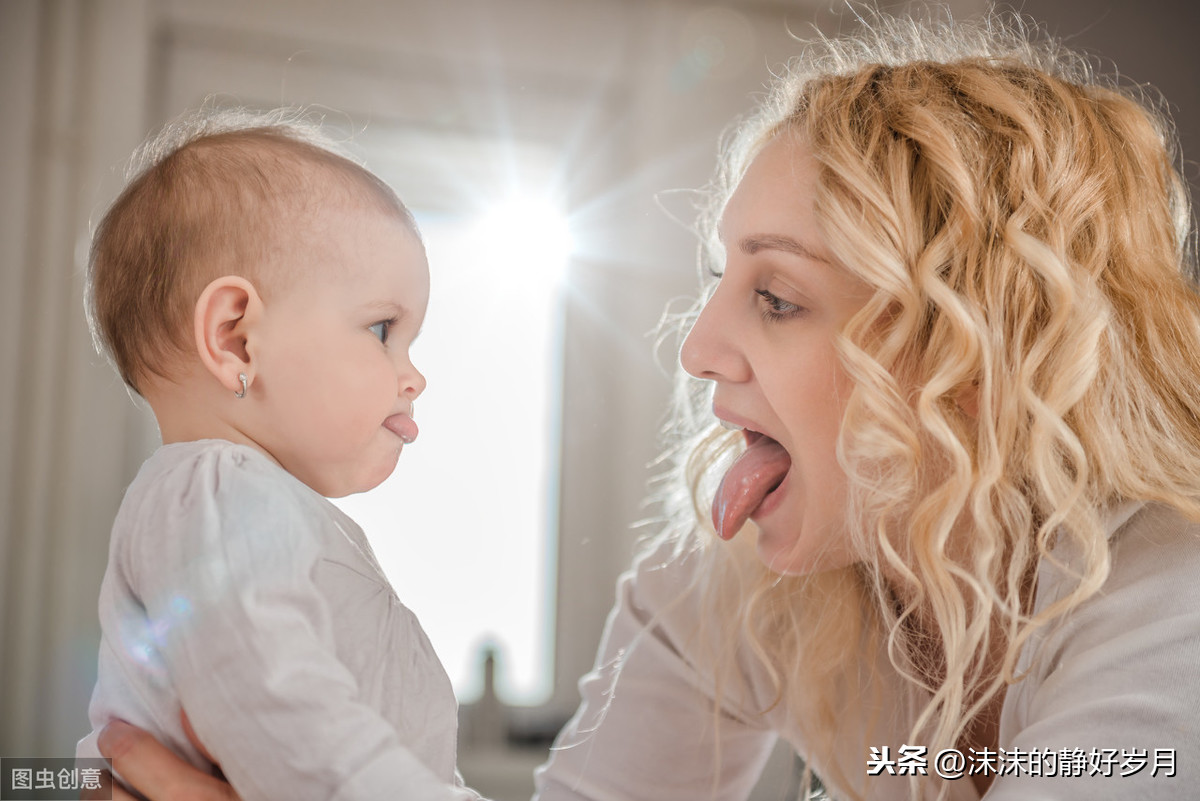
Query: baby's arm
x,y
248,642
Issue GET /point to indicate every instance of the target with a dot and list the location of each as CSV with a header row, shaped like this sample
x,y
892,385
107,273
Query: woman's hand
x,y
154,770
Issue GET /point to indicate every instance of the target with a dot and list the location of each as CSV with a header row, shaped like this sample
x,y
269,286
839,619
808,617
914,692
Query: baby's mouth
x,y
402,426
749,480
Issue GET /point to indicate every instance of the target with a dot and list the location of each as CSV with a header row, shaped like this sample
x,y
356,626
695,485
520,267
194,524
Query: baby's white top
x,y
236,592
1116,679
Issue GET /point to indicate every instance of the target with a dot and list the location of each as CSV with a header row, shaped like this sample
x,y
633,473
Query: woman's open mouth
x,y
752,477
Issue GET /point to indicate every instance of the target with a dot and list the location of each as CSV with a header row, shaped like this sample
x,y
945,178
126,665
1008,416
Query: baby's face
x,y
332,369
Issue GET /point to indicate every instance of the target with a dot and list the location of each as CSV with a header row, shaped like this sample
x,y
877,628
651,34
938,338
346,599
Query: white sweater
x,y
1120,677
236,592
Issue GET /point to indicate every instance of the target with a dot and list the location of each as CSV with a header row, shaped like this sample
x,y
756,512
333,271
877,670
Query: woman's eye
x,y
775,308
381,329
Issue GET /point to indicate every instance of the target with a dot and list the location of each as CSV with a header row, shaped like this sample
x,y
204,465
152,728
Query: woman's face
x,y
766,338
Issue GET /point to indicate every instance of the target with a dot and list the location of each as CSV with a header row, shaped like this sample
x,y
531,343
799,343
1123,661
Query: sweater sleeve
x,y
1111,708
224,568
647,727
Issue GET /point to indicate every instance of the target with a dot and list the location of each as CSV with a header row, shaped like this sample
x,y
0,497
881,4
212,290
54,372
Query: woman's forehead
x,y
773,205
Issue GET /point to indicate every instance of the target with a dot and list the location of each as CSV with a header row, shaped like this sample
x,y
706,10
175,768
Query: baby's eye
x,y
381,329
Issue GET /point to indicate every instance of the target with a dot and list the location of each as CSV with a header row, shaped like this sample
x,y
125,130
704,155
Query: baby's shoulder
x,y
212,502
216,468
217,480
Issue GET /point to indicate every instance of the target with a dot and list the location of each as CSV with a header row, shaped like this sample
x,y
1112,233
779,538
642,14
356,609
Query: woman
x,y
952,323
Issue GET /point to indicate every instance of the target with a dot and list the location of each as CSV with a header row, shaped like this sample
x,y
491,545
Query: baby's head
x,y
253,284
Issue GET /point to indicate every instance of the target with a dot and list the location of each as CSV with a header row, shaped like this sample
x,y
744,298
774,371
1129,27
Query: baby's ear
x,y
226,313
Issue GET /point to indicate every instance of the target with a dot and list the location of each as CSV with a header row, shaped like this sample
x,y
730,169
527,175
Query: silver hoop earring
x,y
242,394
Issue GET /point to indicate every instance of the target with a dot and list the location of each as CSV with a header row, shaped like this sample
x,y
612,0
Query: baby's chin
x,y
377,477
357,481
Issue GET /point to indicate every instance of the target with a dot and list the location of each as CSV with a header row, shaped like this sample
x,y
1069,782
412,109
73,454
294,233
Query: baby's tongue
x,y
749,479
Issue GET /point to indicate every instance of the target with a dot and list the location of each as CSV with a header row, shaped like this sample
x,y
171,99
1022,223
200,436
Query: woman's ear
x,y
226,315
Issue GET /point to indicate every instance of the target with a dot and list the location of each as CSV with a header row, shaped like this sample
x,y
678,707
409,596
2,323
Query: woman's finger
x,y
154,771
107,791
101,793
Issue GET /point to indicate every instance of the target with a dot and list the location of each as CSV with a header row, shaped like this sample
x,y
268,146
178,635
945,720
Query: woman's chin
x,y
792,553
777,550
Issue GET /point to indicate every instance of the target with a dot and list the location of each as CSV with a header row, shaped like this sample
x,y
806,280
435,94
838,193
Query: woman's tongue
x,y
747,482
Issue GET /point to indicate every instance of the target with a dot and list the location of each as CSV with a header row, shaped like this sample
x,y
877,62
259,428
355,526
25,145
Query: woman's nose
x,y
711,350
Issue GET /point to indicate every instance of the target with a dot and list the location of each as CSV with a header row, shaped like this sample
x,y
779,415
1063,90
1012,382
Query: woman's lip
x,y
731,420
750,429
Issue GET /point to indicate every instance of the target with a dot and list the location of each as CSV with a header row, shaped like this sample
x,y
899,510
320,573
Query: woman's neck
x,y
927,654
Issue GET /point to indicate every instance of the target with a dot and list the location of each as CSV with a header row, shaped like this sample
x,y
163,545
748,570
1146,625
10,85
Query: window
x,y
466,527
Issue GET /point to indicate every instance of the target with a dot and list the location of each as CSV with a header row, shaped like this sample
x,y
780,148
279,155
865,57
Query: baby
x,y
261,292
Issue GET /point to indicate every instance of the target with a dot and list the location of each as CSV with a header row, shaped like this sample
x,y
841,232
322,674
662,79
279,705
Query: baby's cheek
x,y
370,396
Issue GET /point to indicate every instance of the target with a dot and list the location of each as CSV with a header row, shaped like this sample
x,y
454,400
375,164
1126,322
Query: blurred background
x,y
549,149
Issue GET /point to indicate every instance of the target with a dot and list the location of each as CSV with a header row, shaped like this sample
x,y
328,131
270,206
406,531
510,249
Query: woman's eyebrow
x,y
756,242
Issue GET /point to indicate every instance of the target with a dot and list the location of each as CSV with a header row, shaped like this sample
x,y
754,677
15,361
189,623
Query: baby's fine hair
x,y
205,197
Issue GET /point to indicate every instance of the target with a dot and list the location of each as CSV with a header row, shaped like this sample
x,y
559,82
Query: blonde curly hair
x,y
1029,359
